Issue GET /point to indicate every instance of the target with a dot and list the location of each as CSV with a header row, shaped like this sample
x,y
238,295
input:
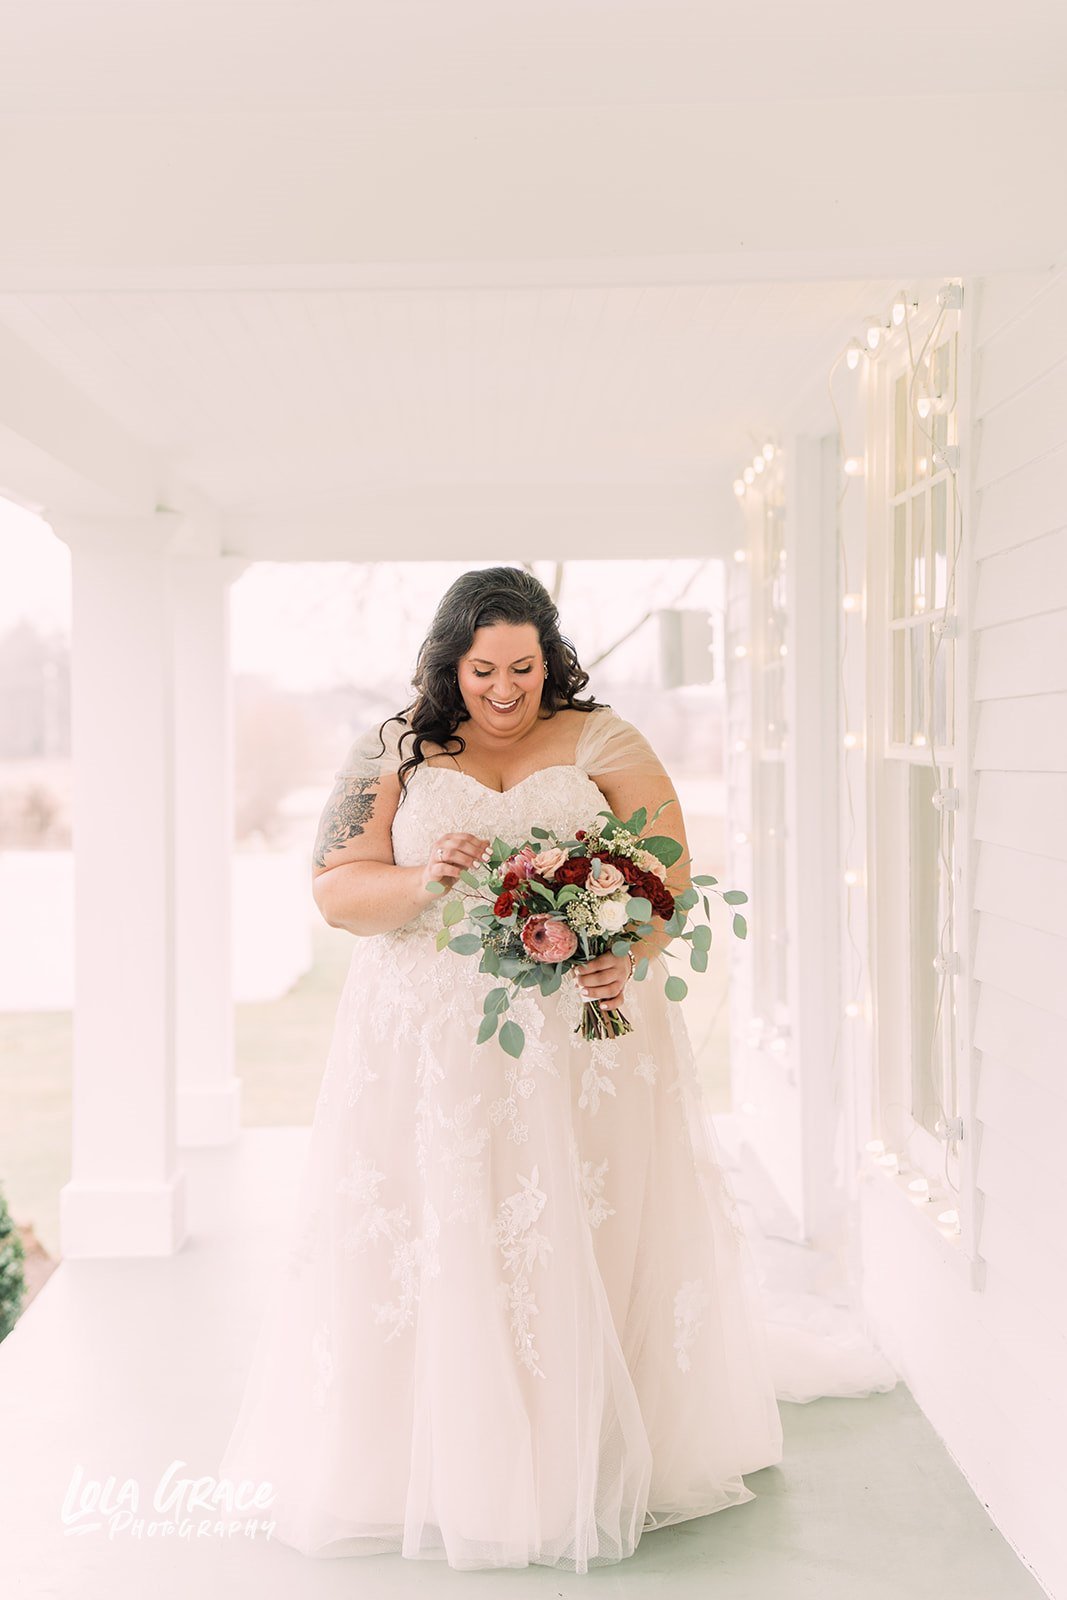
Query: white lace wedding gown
x,y
517,1320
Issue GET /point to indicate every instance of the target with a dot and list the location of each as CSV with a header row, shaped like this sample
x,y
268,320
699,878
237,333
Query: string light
x,y
740,651
853,353
749,474
852,878
759,463
739,487
851,602
853,467
850,741
740,554
768,451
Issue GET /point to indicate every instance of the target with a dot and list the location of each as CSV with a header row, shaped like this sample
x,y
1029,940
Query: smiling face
x,y
501,678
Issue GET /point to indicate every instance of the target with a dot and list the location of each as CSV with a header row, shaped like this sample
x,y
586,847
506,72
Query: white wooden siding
x,y
1020,831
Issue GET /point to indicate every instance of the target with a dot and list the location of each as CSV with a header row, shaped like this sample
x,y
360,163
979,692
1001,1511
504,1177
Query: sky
x,y
312,625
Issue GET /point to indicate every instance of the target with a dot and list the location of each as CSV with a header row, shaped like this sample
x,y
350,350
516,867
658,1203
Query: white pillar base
x,y
209,1114
109,1217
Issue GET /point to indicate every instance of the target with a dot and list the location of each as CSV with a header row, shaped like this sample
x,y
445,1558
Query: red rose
x,y
579,833
575,869
509,880
504,904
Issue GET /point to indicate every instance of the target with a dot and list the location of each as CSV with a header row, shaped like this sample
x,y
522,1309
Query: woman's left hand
x,y
603,978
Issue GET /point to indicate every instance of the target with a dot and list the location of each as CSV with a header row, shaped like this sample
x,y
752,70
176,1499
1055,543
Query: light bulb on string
x,y
851,602
852,1009
850,741
749,474
853,351
740,554
739,487
900,310
853,466
768,451
852,878
874,333
759,464
740,651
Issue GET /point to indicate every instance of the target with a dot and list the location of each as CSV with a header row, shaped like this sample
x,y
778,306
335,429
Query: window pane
x,y
897,706
941,652
898,602
932,1085
938,508
920,444
918,552
917,635
900,434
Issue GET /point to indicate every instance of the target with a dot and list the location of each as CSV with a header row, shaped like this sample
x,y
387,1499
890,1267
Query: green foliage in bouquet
x,y
531,926
12,1277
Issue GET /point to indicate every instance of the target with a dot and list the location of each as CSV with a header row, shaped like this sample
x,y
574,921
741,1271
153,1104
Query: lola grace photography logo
x,y
178,1507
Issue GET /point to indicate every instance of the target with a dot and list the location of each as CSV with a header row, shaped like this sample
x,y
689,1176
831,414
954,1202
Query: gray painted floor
x,y
123,1367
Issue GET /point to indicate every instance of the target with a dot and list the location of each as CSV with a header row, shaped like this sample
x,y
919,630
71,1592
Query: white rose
x,y
612,915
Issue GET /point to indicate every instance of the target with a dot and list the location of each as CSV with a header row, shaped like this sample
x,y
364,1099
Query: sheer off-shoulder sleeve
x,y
608,743
365,757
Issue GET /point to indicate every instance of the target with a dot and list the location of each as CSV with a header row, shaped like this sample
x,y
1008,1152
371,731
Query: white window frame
x,y
892,766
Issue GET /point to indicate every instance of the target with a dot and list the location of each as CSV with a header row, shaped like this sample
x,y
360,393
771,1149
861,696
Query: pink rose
x,y
546,938
607,880
548,860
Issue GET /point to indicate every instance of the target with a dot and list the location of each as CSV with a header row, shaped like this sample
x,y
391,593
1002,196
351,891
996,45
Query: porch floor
x,y
123,1367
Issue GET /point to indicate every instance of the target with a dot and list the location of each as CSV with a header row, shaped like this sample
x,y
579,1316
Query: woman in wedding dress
x,y
518,1322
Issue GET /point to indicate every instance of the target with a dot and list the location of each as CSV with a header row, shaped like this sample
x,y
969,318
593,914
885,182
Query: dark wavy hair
x,y
475,600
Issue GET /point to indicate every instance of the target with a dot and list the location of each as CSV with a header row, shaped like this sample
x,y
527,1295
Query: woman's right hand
x,y
451,853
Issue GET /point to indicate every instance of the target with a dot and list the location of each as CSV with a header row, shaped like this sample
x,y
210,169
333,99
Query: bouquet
x,y
542,906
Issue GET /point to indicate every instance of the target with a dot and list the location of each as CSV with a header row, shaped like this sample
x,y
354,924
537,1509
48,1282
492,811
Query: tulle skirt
x,y
516,1320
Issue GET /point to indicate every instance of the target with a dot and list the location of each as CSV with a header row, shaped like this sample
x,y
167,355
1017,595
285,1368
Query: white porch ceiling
x,y
416,274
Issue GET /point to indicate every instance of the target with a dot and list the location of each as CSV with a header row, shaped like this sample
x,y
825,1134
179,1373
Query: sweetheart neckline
x,y
555,766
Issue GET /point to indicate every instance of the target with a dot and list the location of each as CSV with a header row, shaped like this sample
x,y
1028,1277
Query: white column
x,y
813,868
126,1195
209,1092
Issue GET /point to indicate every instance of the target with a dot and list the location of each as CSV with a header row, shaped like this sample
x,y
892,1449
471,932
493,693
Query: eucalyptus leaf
x,y
434,887
703,878
638,908
620,947
465,944
687,898
662,807
488,1027
663,847
491,961
540,833
702,936
452,913
740,925
641,969
512,1038
443,938
675,988
551,978
636,822
496,1000
735,897
698,960
468,877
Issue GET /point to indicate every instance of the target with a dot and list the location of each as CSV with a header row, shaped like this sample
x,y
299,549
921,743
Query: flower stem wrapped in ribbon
x,y
536,909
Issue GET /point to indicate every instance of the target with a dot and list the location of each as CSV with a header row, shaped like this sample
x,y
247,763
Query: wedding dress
x,y
517,1320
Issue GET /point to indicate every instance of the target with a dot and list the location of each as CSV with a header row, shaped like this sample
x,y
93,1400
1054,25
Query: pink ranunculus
x,y
523,862
546,938
607,880
548,860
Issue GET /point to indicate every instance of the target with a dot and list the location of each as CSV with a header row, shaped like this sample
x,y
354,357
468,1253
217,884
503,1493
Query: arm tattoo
x,y
345,815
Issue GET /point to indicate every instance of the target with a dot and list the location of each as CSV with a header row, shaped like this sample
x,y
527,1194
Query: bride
x,y
518,1321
